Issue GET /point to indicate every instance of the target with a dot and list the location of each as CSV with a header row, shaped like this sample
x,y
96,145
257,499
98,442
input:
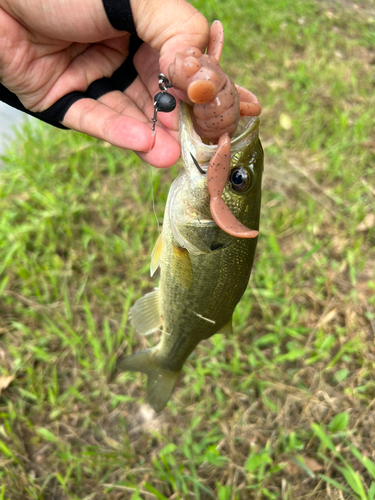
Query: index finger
x,y
98,120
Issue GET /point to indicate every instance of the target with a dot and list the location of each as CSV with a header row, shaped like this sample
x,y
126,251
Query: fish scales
x,y
188,316
204,270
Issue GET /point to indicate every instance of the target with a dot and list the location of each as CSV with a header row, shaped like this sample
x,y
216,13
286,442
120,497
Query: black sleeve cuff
x,y
120,15
120,80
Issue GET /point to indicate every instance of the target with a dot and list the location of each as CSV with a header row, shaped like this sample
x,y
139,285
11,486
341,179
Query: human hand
x,y
49,48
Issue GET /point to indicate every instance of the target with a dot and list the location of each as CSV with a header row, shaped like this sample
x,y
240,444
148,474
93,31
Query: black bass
x,y
204,269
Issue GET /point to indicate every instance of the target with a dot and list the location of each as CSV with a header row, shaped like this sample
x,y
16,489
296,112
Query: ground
x,y
284,409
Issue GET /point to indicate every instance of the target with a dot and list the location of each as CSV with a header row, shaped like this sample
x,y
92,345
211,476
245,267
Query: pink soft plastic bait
x,y
217,177
218,102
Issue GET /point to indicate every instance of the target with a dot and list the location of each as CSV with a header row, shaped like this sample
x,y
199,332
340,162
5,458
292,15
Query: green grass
x,y
284,408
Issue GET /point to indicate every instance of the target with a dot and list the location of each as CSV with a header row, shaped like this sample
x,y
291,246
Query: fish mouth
x,y
215,159
190,202
192,144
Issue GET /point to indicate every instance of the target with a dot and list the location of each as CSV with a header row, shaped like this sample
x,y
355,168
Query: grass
x,y
284,408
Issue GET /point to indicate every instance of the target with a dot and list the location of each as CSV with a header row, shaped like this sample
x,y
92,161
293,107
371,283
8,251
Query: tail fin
x,y
161,381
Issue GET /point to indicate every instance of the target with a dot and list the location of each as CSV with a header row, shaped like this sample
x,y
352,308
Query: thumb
x,y
170,27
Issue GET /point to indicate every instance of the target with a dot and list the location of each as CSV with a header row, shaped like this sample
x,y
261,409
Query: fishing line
x,y
165,103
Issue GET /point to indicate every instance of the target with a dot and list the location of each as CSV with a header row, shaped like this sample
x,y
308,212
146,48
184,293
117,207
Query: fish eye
x,y
240,179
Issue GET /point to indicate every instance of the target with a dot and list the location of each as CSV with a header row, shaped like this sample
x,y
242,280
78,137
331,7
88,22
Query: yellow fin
x,y
227,328
156,255
145,314
181,267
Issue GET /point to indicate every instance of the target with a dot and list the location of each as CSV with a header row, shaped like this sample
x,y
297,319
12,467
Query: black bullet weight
x,y
164,102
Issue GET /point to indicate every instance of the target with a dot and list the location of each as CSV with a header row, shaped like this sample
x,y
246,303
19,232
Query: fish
x,y
205,251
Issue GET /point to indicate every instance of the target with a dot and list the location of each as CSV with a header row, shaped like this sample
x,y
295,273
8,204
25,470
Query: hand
x,y
49,48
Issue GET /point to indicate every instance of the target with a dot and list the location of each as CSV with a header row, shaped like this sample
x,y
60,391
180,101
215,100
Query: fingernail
x,y
153,139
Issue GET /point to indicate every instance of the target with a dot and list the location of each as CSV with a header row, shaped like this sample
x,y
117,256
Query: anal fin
x,y
145,314
227,329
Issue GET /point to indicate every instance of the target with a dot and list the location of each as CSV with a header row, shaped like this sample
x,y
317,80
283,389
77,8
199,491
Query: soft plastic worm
x,y
218,102
217,177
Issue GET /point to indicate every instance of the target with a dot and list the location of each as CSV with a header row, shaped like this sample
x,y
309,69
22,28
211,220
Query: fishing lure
x,y
163,101
217,102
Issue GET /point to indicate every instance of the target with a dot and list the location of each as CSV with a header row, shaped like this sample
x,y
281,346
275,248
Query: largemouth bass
x,y
204,270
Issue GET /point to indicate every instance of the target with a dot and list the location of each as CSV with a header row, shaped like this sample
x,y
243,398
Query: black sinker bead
x,y
164,102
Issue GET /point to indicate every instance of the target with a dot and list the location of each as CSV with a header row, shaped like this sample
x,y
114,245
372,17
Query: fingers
x,y
166,150
170,28
101,121
95,118
75,72
124,118
84,21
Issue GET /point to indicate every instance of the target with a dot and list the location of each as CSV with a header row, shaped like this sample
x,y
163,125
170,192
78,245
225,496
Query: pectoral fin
x,y
156,255
145,314
181,268
161,381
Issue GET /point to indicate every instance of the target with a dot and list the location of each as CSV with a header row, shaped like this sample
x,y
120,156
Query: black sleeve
x,y
120,16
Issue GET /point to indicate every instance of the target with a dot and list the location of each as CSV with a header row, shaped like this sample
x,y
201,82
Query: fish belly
x,y
196,305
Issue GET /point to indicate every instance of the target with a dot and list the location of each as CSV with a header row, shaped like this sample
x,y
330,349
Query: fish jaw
x,y
191,142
